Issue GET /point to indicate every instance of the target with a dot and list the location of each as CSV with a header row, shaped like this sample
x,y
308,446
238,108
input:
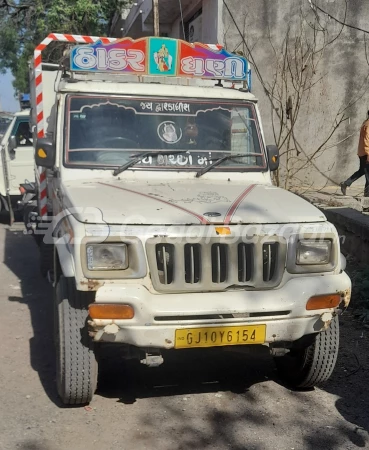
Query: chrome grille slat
x,y
266,248
192,263
245,269
269,261
165,264
192,272
244,273
218,264
164,254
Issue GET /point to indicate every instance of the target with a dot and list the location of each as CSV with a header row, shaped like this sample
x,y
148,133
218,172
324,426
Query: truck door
x,y
20,153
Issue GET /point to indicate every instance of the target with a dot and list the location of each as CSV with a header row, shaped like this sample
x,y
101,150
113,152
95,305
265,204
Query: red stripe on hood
x,y
198,216
233,208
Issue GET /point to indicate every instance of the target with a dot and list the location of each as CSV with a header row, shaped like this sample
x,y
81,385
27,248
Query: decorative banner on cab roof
x,y
159,57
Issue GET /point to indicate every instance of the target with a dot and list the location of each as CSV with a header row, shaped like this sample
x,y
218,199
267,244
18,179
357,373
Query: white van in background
x,y
17,160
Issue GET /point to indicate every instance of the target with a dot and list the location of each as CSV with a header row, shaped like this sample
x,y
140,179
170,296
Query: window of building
x,y
193,27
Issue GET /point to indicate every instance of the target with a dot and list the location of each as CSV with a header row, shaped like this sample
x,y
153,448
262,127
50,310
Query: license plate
x,y
219,336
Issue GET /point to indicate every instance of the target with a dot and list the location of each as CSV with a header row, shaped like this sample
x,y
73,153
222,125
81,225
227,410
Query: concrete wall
x,y
343,70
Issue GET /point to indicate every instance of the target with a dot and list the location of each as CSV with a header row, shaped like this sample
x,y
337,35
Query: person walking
x,y
363,154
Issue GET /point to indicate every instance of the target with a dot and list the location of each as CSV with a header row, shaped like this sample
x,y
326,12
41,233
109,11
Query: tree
x,y
24,23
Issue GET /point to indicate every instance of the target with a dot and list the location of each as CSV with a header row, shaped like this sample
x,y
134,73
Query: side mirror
x,y
45,153
12,143
273,157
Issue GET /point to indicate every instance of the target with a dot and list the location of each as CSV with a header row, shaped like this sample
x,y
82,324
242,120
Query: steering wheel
x,y
116,142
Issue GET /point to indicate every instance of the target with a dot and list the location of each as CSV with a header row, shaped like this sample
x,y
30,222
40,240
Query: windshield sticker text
x,y
177,160
178,107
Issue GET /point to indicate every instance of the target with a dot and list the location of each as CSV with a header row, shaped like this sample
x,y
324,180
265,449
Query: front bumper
x,y
157,317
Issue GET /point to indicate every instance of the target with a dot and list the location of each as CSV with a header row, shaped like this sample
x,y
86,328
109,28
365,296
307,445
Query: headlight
x,y
107,257
310,252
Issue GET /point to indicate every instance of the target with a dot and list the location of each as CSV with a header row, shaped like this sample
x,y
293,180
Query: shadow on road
x,y
349,381
21,257
183,372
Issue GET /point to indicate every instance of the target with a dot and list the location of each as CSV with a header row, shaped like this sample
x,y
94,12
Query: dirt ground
x,y
197,400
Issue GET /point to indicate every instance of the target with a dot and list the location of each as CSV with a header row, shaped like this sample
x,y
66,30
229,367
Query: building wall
x,y
342,74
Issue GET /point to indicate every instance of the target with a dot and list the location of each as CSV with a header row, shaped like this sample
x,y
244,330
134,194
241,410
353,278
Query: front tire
x,y
313,365
76,365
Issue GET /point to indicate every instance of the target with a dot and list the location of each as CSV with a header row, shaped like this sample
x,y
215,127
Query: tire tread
x,y
314,365
77,361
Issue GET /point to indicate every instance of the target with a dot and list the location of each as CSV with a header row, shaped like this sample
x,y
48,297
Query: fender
x,y
66,259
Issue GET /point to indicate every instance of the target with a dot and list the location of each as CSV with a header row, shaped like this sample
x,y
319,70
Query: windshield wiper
x,y
222,159
140,157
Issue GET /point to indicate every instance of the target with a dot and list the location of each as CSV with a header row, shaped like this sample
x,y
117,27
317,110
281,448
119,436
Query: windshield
x,y
4,123
106,132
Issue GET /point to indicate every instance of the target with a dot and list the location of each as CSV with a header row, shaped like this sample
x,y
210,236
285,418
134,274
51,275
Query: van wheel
x,y
46,258
313,365
76,365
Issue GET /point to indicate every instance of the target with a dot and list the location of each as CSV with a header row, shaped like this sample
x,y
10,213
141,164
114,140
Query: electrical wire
x,y
183,27
314,5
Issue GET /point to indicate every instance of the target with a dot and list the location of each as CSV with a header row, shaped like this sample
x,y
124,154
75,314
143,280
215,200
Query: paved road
x,y
201,401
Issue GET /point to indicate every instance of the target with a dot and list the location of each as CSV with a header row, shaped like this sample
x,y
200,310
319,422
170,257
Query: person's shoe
x,y
343,188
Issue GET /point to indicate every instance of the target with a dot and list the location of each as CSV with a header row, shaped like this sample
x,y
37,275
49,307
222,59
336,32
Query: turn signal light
x,y
224,231
41,153
110,311
323,302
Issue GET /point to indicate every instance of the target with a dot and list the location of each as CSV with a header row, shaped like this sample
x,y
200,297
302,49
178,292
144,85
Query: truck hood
x,y
185,203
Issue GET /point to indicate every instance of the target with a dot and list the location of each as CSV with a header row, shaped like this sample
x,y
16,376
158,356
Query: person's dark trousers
x,y
363,170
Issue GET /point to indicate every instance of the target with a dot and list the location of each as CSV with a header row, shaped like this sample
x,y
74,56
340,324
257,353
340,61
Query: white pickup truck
x,y
165,228
17,159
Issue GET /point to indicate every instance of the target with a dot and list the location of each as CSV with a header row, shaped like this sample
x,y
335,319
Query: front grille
x,y
215,265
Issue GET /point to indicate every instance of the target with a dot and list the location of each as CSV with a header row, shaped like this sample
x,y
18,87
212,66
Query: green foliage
x,y
25,23
360,294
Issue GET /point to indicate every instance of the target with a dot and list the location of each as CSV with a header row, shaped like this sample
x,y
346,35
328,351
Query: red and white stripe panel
x,y
73,38
215,46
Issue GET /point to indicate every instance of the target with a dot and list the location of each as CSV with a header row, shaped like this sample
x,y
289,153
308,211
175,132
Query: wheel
x,y
313,365
46,258
76,365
